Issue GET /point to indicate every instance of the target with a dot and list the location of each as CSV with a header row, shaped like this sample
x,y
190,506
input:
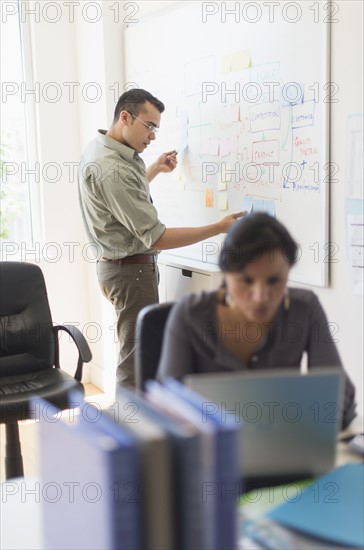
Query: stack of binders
x,y
156,471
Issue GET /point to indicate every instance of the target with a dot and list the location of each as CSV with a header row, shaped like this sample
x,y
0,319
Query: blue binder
x,y
226,463
331,508
185,447
96,461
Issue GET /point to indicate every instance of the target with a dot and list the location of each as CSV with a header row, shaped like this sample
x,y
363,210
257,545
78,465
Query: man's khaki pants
x,y
129,288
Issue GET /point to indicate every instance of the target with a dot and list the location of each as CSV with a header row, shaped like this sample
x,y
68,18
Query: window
x,y
19,192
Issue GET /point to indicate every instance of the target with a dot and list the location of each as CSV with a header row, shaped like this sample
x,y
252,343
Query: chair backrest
x,y
27,339
151,322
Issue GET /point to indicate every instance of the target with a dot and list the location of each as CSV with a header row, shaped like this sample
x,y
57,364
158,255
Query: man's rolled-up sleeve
x,y
130,204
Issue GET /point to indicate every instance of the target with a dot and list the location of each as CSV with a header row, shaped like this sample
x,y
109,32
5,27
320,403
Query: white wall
x,y
342,306
92,52
57,116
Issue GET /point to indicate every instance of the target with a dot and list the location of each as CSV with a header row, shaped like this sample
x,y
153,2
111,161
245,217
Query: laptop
x,y
289,421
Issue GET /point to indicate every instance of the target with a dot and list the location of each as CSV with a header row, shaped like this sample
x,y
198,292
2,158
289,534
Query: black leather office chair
x,y
150,328
29,354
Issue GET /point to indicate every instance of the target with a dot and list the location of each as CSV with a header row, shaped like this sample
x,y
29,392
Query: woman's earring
x,y
228,300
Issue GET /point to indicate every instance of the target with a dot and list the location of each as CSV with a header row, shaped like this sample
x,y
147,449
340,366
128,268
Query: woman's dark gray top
x,y
193,340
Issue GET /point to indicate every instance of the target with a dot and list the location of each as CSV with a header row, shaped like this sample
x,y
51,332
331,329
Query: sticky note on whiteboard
x,y
270,207
223,200
236,61
228,174
247,204
181,183
221,185
241,60
209,198
258,205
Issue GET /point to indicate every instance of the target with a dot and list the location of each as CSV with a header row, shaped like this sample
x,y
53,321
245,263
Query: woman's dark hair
x,y
133,101
252,236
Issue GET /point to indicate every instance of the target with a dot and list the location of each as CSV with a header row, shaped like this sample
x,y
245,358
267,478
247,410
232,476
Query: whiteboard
x,y
247,97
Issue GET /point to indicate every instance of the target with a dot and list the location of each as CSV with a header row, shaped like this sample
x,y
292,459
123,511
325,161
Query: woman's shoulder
x,y
198,304
302,297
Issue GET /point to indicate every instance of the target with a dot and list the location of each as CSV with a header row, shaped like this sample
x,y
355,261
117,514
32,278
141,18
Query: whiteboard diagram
x,y
247,109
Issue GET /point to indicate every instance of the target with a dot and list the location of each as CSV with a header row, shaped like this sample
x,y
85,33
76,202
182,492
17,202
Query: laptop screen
x,y
289,421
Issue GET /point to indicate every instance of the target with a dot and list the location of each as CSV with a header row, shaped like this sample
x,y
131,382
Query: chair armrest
x,y
84,352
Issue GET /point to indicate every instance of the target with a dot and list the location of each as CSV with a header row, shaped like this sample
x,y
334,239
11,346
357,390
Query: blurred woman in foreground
x,y
254,321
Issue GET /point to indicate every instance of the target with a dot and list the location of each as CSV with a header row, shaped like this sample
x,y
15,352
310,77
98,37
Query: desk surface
x,y
20,510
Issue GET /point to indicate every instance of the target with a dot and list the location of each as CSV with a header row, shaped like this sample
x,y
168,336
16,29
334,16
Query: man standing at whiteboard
x,y
120,218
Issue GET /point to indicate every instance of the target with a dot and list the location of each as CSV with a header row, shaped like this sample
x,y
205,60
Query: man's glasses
x,y
151,129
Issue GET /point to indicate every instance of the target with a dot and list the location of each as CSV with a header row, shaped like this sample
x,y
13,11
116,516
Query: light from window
x,y
15,192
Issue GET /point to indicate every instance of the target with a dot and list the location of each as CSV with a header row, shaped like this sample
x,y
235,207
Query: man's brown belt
x,y
135,259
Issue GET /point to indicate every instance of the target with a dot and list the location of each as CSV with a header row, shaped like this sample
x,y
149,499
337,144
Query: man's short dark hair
x,y
133,101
